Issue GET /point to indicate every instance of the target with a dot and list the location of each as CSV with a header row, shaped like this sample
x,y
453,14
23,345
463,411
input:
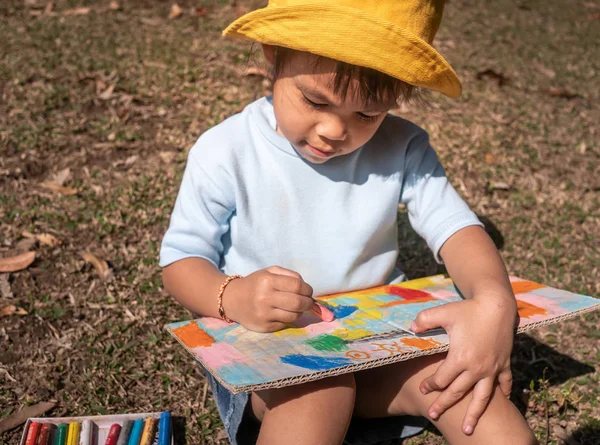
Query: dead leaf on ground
x,y
113,6
5,289
498,77
17,262
563,93
20,417
107,93
77,11
591,5
44,238
176,11
11,309
100,265
49,7
61,177
498,185
167,156
595,16
26,244
200,12
256,71
152,21
67,191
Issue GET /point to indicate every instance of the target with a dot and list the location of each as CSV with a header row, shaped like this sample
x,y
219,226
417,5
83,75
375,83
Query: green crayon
x,y
61,434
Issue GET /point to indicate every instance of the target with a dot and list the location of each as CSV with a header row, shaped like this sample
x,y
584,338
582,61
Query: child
x,y
297,196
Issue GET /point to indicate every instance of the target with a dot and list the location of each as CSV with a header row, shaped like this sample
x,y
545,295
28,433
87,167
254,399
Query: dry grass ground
x,y
118,96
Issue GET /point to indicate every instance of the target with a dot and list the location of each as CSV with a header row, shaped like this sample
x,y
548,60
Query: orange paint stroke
x,y
421,343
522,287
192,336
527,310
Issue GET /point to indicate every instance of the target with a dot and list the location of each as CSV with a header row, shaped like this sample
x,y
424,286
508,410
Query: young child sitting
x,y
297,196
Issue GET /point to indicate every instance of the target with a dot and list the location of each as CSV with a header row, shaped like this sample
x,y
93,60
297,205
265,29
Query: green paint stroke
x,y
327,342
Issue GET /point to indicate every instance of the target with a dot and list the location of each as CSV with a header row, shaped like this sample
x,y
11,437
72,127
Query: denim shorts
x,y
242,428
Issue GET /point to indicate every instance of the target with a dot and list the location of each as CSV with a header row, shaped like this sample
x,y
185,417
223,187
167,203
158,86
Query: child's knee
x,y
338,391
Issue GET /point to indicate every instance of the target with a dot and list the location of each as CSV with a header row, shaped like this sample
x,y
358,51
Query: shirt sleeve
x,y
202,211
435,209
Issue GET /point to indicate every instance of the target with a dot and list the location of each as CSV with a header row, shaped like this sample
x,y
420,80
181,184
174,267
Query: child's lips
x,y
319,152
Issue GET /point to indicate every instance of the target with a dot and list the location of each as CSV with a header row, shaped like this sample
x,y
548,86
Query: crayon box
x,y
101,424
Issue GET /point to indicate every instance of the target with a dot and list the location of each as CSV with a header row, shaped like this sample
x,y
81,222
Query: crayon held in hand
x,y
322,312
61,434
125,432
32,433
45,431
136,432
164,429
113,434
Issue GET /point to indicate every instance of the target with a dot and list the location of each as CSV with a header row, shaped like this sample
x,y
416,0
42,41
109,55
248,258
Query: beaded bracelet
x,y
220,297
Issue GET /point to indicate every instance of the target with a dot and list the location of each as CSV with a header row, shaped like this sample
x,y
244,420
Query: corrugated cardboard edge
x,y
367,364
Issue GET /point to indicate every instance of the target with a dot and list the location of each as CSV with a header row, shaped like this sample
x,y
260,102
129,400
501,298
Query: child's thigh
x,y
337,391
393,390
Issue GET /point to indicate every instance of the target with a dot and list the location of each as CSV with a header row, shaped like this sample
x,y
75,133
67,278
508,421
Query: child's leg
x,y
314,413
394,390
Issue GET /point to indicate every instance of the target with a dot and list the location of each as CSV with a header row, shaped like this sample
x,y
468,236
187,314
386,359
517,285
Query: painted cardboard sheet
x,y
372,328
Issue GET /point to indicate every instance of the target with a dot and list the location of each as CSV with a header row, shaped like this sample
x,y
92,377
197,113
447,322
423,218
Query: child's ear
x,y
269,52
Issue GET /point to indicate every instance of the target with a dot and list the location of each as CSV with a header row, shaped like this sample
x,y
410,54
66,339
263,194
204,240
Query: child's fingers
x,y
291,302
441,378
292,285
433,318
505,381
282,316
283,271
482,393
451,395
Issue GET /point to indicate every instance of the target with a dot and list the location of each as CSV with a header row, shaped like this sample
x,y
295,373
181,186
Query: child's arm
x,y
480,328
264,301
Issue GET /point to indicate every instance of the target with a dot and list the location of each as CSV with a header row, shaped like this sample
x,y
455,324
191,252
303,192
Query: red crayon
x,y
45,434
113,434
322,312
32,433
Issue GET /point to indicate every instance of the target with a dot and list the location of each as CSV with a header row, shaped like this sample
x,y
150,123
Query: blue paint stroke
x,y
342,311
315,362
240,374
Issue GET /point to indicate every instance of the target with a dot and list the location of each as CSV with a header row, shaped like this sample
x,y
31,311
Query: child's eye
x,y
366,117
313,104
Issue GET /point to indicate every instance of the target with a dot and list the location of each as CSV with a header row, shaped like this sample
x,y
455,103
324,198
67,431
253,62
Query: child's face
x,y
320,124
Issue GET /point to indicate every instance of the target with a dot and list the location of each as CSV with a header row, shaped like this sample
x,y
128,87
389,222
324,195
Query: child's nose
x,y
332,127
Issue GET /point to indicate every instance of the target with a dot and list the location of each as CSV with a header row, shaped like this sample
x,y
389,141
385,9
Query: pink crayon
x,y
322,312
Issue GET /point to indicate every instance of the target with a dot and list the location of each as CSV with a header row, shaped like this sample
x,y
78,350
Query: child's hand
x,y
269,299
481,339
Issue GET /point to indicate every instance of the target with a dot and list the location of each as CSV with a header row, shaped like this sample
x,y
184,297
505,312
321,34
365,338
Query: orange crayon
x,y
149,431
32,433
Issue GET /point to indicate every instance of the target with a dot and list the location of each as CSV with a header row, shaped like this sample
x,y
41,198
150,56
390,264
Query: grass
x,y
98,346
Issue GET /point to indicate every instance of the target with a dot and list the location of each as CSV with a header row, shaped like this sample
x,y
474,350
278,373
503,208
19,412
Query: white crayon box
x,y
100,426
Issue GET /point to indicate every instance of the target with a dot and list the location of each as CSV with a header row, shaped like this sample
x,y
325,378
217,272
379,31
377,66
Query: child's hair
x,y
373,86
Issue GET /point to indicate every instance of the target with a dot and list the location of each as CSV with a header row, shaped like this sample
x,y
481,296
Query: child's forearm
x,y
476,267
194,283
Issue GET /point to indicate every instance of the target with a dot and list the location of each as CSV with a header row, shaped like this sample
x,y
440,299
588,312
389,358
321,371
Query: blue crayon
x,y
164,429
136,432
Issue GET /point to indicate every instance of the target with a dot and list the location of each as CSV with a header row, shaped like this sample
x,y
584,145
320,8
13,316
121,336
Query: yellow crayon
x,y
149,431
73,434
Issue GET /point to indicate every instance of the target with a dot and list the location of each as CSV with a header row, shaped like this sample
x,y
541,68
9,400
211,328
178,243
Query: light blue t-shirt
x,y
248,201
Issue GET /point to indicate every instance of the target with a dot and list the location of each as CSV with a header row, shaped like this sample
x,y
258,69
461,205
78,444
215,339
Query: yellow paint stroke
x,y
421,343
527,310
354,334
291,332
421,283
192,336
522,287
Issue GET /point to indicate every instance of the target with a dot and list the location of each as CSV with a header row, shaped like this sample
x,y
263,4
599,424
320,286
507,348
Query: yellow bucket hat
x,y
390,36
